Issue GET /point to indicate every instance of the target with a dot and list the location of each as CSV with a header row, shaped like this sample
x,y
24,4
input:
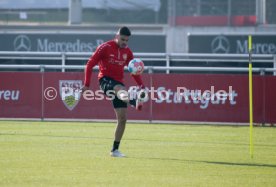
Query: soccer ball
x,y
136,66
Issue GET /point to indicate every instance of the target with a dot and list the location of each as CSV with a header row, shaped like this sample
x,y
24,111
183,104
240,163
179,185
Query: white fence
x,y
166,58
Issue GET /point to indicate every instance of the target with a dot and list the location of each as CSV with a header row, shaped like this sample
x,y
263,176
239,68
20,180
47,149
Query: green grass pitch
x,y
77,154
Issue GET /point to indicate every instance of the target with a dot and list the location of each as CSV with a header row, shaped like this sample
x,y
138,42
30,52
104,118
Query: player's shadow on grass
x,y
211,162
200,142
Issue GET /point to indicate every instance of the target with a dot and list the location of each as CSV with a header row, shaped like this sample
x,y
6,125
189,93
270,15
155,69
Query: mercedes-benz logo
x,y
22,43
220,44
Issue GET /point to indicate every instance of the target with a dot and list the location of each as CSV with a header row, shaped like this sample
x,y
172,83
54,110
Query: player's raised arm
x,y
93,61
138,80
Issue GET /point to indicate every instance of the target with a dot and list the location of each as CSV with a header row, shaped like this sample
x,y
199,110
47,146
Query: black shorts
x,y
107,84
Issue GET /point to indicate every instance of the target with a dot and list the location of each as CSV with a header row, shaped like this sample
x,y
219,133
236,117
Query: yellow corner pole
x,y
250,95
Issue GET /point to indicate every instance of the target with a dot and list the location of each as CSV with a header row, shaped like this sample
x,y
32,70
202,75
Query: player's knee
x,y
119,87
122,95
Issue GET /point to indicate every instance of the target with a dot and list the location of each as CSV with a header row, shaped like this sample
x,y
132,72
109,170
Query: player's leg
x,y
122,94
120,109
107,84
110,86
121,114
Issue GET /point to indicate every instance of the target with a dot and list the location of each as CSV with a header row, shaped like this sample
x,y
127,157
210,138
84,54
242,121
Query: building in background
x,y
174,20
224,12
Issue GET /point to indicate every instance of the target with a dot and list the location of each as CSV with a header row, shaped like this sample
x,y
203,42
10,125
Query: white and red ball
x,y
136,66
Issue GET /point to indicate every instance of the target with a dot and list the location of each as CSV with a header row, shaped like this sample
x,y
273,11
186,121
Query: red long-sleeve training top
x,y
111,60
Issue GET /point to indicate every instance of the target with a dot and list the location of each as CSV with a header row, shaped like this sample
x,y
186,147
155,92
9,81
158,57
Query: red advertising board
x,y
269,99
20,95
176,97
218,108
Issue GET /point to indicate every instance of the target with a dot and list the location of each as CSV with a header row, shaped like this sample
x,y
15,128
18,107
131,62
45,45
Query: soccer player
x,y
111,57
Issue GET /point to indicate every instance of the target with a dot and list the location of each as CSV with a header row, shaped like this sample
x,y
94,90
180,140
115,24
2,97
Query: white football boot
x,y
116,153
141,99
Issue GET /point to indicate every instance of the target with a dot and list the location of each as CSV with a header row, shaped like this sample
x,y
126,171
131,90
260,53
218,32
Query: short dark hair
x,y
124,31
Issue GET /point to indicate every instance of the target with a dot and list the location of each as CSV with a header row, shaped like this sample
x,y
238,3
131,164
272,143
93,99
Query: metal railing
x,y
166,60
